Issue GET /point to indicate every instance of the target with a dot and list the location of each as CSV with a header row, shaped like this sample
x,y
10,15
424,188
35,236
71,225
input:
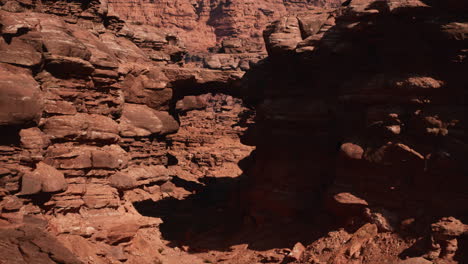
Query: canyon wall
x,y
95,117
112,131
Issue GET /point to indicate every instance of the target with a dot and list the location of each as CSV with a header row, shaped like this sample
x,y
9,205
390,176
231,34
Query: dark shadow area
x,y
9,135
41,199
212,218
462,252
416,250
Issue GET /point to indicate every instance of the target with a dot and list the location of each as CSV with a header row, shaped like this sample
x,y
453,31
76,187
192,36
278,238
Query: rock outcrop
x,y
19,106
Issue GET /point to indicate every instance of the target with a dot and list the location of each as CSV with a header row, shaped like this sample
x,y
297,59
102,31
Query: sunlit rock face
x,y
203,24
96,115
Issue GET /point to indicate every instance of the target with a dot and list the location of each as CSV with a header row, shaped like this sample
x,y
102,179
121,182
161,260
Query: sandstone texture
x,y
233,131
231,25
95,115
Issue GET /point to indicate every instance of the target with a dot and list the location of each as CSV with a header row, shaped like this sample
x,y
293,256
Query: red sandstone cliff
x,y
94,118
114,150
203,24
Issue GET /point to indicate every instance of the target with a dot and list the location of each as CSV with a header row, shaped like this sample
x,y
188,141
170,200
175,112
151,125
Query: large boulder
x,y
63,66
58,40
191,102
43,179
282,36
33,138
19,52
21,100
142,121
345,204
15,24
101,55
149,88
124,49
89,127
137,176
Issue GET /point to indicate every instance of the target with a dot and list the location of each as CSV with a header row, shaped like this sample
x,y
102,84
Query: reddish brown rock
x,y
125,50
346,205
82,127
12,6
333,78
122,233
353,247
198,77
449,226
123,181
62,65
444,243
297,251
34,138
392,153
18,52
92,65
385,220
99,195
149,88
101,54
141,121
189,103
43,179
58,106
21,100
133,177
351,151
86,157
30,244
13,24
11,203
283,36
57,40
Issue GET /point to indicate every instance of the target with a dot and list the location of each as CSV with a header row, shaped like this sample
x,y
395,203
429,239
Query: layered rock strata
x,y
89,114
361,121
233,25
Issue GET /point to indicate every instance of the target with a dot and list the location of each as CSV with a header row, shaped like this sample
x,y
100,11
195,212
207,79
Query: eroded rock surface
x,y
90,125
125,141
201,24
